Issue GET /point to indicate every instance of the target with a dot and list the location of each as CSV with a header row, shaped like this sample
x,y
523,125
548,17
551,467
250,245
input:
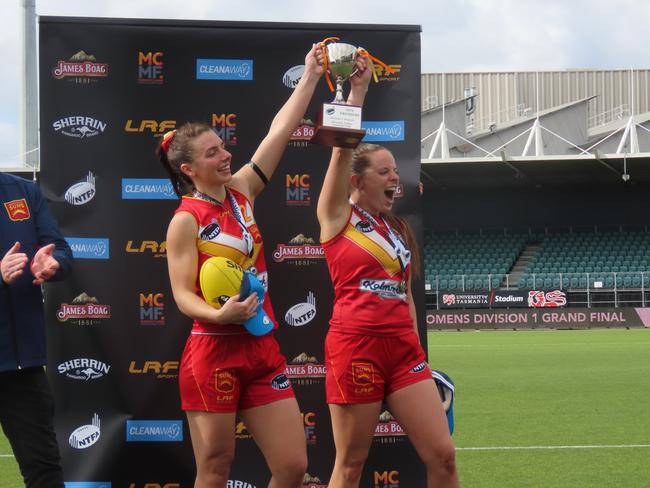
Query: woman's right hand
x,y
236,312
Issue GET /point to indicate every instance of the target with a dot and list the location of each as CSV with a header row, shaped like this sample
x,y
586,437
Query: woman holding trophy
x,y
224,369
372,349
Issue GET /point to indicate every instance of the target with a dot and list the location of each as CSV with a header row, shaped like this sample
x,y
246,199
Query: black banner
x,y
108,90
502,299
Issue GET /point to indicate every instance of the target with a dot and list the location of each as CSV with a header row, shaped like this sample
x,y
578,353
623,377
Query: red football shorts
x,y
227,373
365,369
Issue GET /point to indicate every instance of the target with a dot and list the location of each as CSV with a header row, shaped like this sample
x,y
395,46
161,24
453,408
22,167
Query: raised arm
x,y
272,147
333,207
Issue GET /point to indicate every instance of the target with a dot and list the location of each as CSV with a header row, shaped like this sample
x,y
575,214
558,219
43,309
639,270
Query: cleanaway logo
x,y
89,247
386,130
224,69
154,430
147,189
87,484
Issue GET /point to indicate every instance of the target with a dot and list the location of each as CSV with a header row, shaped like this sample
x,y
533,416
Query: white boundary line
x,y
6,455
523,448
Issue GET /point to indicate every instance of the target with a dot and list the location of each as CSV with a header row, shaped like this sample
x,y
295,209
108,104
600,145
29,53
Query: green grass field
x,y
552,409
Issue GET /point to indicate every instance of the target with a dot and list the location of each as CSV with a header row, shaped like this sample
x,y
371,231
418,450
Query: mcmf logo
x,y
385,479
152,309
83,369
86,435
154,431
224,69
81,192
87,484
297,187
225,126
89,247
149,125
79,126
387,130
309,419
150,68
148,189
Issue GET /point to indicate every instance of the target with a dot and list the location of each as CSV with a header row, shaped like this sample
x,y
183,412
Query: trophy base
x,y
337,137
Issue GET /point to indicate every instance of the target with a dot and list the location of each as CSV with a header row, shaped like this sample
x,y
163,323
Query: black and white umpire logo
x,y
364,226
280,382
419,367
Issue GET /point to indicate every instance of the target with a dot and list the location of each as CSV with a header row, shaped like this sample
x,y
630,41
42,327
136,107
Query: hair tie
x,y
167,140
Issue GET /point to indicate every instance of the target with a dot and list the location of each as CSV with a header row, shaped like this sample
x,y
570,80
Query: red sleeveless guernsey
x,y
366,274
221,235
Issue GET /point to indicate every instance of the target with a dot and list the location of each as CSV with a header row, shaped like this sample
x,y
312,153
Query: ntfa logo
x,y
302,134
86,435
225,126
163,371
297,188
83,310
81,192
300,250
149,125
385,479
292,76
79,126
382,74
150,68
310,481
302,313
309,419
158,250
83,369
152,309
388,431
81,68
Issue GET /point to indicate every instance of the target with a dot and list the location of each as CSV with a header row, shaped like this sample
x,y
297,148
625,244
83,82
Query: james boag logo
x,y
385,479
388,431
83,369
382,74
152,309
154,431
225,126
302,313
386,130
224,69
156,127
83,310
300,250
86,435
150,68
309,419
167,370
148,189
81,68
292,76
79,126
297,188
305,370
89,247
155,248
310,481
81,192
302,134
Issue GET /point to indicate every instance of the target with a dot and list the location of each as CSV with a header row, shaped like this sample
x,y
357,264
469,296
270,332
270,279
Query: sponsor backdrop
x,y
502,299
109,89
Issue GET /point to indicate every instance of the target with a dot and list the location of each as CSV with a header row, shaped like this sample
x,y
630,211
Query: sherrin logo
x,y
239,484
302,313
85,436
79,126
81,192
292,76
83,369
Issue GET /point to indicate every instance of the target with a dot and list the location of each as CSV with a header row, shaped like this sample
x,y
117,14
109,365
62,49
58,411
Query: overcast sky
x,y
457,35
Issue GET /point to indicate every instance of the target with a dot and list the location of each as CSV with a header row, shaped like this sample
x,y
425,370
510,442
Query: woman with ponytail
x,y
372,348
224,370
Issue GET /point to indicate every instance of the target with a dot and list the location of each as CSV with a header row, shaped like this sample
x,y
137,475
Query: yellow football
x,y
220,278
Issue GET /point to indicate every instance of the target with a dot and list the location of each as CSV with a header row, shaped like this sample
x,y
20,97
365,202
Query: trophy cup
x,y
338,124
